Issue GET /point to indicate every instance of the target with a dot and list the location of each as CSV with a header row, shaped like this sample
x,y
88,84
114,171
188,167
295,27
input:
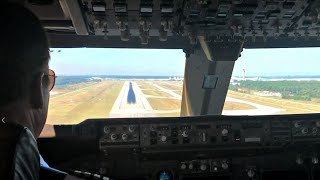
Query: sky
x,y
279,62
157,62
134,62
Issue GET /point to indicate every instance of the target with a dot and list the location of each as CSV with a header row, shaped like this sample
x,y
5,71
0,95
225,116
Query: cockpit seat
x,y
19,155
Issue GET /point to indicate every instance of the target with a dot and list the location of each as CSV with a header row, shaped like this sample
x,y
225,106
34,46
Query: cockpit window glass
x,y
115,83
103,83
275,81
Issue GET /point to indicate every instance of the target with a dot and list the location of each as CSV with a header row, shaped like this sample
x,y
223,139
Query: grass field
x,y
237,106
289,106
150,90
75,103
175,86
170,85
90,101
161,101
164,104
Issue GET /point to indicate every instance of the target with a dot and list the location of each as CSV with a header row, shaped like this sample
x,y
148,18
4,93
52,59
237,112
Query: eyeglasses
x,y
52,79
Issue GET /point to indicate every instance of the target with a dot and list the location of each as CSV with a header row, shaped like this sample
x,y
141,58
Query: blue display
x,y
164,176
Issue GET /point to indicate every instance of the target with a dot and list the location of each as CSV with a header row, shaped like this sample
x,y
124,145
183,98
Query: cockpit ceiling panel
x,y
52,11
179,23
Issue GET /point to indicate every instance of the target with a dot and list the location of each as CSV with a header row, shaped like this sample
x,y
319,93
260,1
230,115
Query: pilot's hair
x,y
24,50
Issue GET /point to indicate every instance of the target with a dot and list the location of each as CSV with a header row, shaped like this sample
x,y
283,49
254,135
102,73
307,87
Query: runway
x,y
131,102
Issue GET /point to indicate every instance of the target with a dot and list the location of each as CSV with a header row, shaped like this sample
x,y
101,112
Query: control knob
x,y
224,132
113,137
251,173
304,130
314,160
185,134
124,137
299,160
215,166
132,129
163,138
190,166
183,166
297,124
224,165
203,167
106,130
314,130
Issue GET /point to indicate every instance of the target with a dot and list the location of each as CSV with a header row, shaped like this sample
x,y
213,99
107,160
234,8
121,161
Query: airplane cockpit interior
x,y
194,108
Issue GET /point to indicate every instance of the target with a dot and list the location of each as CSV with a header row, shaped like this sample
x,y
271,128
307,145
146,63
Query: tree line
x,y
297,90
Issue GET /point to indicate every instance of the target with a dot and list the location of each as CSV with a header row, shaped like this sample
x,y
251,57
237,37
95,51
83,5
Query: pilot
x,y
26,81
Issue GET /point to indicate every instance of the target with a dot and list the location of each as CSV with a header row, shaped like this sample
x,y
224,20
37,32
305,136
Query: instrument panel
x,y
214,132
236,147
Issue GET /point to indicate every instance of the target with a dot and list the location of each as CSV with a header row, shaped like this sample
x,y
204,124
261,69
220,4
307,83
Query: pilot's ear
x,y
36,96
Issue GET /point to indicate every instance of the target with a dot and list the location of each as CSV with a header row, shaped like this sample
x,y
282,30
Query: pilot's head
x,y
25,79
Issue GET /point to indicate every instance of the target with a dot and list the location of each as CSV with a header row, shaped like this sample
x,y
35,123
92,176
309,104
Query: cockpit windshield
x,y
103,83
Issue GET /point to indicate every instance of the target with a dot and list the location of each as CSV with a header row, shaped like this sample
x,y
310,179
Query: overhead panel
x,y
147,23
